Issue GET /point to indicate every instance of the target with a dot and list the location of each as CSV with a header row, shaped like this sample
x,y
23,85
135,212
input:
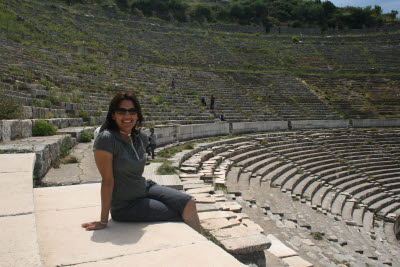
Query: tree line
x,y
268,13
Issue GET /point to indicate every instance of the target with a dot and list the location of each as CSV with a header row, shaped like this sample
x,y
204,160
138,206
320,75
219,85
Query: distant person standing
x,y
221,117
173,84
152,143
212,100
203,101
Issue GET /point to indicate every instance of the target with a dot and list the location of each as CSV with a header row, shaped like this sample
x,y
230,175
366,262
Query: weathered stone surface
x,y
110,246
246,244
189,175
297,261
192,181
204,189
201,207
219,223
16,184
27,112
279,249
252,225
232,206
64,175
26,128
18,242
204,199
216,214
6,130
193,186
308,242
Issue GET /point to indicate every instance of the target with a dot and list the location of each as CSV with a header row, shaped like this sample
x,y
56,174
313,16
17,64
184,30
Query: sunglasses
x,y
122,111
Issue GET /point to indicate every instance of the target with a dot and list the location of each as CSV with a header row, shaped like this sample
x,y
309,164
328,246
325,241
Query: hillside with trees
x,y
268,13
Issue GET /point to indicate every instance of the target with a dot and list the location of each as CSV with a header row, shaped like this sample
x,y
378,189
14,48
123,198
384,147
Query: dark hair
x,y
110,124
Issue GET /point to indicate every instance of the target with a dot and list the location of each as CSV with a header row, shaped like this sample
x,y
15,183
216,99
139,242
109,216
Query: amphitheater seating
x,y
339,171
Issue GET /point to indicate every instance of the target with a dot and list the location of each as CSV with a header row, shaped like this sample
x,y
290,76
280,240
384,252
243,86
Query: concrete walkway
x,y
41,227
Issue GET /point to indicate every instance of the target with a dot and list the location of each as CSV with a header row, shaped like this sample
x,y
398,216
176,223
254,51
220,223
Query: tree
x,y
393,14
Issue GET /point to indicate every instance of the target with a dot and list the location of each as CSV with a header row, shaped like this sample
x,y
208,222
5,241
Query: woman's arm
x,y
104,162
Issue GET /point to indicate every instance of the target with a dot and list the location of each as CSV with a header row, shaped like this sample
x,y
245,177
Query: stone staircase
x,y
324,170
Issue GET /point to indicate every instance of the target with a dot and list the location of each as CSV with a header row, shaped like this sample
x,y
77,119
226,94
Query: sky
x,y
386,5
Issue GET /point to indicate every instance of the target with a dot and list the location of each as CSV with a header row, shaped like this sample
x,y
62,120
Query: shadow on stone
x,y
251,259
120,233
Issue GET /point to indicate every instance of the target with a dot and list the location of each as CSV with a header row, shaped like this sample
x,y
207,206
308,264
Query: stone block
x,y
246,244
297,261
64,123
204,189
219,223
319,124
279,249
26,128
27,112
259,126
216,214
11,129
367,123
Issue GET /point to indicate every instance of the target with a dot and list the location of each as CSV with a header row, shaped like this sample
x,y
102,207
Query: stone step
x,y
46,148
81,203
338,204
19,241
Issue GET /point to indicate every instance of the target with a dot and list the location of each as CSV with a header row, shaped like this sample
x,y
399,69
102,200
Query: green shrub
x,y
83,113
43,128
9,108
85,137
295,39
166,169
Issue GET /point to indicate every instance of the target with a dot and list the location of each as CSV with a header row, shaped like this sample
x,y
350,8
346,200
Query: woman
x,y
120,155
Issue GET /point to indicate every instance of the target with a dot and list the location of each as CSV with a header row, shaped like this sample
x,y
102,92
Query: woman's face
x,y
125,116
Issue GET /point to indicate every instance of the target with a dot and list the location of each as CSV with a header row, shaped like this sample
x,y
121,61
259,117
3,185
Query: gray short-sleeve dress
x,y
134,198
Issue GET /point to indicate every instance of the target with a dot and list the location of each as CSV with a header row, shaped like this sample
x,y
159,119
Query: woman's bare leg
x,y
190,216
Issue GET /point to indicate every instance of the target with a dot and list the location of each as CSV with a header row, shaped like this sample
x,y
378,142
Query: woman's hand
x,y
94,226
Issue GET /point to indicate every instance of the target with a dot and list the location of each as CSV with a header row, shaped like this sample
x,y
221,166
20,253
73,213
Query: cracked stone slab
x,y
246,244
232,206
204,189
219,223
279,249
201,207
236,231
193,186
216,214
297,261
203,198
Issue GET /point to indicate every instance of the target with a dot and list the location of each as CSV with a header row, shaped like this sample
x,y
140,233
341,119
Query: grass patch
x,y
210,237
168,153
166,169
69,160
317,235
220,187
62,154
